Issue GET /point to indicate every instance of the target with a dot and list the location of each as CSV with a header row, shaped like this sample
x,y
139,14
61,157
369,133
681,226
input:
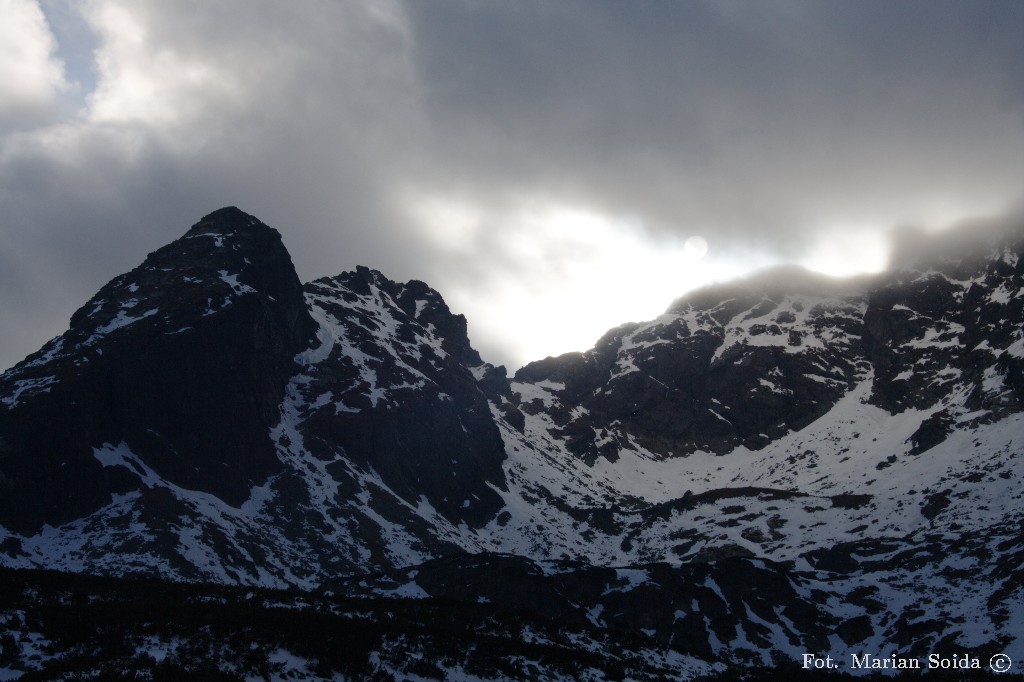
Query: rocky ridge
x,y
774,466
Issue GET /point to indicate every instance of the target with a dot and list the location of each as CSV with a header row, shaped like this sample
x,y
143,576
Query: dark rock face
x,y
948,323
393,388
185,359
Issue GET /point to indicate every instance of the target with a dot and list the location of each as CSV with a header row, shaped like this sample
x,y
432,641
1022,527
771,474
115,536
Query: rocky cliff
x,y
782,465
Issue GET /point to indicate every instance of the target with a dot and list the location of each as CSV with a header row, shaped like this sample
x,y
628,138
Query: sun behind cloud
x,y
695,247
549,278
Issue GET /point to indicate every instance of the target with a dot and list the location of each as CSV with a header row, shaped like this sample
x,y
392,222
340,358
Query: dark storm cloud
x,y
752,118
765,127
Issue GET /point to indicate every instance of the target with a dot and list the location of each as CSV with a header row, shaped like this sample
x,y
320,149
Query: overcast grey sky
x,y
542,164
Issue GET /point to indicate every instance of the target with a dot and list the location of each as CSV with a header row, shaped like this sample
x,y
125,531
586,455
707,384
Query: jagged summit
x,y
417,300
186,355
225,257
229,219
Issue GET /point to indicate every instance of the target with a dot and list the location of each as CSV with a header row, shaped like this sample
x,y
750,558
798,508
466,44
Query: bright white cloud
x,y
849,251
31,76
547,278
151,75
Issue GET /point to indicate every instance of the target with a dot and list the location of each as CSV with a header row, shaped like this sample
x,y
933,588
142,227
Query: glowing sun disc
x,y
695,247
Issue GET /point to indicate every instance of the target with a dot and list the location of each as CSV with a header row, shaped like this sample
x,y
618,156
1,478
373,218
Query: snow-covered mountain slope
x,y
382,446
796,402
854,444
849,475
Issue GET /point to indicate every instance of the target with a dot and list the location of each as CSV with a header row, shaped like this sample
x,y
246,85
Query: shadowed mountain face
x,y
774,466
184,359
391,387
734,365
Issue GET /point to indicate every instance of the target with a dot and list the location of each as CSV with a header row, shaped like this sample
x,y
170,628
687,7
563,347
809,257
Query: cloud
x,y
559,275
502,152
700,114
30,76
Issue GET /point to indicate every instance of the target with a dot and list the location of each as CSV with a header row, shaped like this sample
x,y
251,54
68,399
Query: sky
x,y
552,168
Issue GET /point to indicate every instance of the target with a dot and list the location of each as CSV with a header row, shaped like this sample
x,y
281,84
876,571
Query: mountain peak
x,y
416,299
227,256
231,221
186,354
228,215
